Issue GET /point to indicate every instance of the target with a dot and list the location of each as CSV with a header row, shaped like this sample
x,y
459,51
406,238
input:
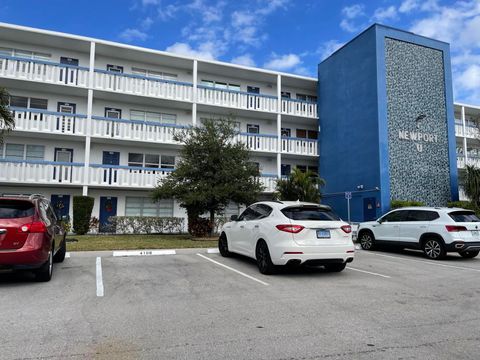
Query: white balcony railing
x,y
142,85
269,181
236,99
43,71
258,142
40,172
134,130
299,146
125,176
472,160
299,108
49,121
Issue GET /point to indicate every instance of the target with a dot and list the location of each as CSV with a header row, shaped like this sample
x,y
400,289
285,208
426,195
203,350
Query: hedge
x,y
82,211
146,225
395,204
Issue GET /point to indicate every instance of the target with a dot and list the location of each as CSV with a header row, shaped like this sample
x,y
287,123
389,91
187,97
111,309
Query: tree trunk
x,y
212,221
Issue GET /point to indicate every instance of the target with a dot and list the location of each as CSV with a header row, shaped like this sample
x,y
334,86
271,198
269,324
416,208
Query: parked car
x,y
289,233
436,231
31,236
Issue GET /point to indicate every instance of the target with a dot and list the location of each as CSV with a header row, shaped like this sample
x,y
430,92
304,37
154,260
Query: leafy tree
x,y
7,122
472,184
303,186
212,171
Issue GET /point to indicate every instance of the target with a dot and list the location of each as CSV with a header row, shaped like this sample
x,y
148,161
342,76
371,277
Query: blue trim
x,y
258,135
236,92
269,175
42,162
40,111
44,62
129,167
135,76
102,118
297,138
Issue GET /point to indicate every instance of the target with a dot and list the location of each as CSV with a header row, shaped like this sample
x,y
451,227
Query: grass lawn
x,y
133,242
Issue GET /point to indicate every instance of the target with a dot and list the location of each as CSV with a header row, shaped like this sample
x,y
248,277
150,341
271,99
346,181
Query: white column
x,y
279,126
464,136
195,81
89,117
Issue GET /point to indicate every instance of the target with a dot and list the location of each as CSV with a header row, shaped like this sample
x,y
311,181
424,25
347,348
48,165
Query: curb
x,y
143,252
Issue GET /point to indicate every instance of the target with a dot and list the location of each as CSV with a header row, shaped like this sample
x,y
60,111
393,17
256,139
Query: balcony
x,y
142,85
125,176
299,108
299,146
269,181
470,131
41,172
43,71
258,142
134,130
35,120
472,160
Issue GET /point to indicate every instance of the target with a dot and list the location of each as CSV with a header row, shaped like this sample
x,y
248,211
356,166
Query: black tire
x,y
335,267
434,249
367,240
60,255
44,273
264,261
469,254
223,246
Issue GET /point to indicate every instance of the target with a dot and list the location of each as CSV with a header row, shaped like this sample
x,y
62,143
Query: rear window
x,y
464,216
11,209
310,213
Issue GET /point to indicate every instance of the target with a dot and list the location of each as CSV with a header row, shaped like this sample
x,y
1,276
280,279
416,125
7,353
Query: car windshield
x,y
464,216
310,213
11,209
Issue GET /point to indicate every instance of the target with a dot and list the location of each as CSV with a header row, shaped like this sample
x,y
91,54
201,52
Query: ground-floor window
x,y
144,206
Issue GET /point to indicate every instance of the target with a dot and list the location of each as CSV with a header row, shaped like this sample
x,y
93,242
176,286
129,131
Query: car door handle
x,y
423,226
242,226
256,226
3,231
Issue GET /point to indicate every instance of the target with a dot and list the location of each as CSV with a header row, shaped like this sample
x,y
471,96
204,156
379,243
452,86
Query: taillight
x,y
290,228
346,228
455,228
34,227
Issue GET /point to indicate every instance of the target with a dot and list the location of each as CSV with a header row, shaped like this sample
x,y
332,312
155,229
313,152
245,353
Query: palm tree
x,y
472,184
7,122
303,186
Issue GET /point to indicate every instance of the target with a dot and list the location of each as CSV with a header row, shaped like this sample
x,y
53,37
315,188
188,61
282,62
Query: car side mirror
x,y
380,221
233,218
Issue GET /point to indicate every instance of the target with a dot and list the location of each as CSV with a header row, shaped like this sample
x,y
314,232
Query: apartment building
x,y
97,118
467,126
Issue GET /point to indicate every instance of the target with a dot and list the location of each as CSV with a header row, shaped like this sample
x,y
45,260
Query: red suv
x,y
31,236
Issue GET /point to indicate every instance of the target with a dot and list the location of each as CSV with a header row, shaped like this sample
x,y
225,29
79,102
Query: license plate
x,y
475,233
323,234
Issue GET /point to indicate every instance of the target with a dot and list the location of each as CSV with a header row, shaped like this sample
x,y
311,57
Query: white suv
x,y
436,231
289,233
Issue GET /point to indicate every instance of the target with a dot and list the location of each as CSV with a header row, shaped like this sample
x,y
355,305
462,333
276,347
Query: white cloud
x,y
383,14
203,52
130,35
350,14
271,6
242,18
408,5
146,23
150,2
328,48
283,62
246,60
470,78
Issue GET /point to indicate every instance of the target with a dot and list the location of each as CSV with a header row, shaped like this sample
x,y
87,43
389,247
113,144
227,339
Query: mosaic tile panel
x,y
417,123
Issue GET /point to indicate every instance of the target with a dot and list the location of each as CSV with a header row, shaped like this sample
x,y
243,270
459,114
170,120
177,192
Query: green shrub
x,y
82,211
462,204
395,204
145,225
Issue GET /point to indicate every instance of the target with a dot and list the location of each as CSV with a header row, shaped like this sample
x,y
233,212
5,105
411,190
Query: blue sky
x,y
285,35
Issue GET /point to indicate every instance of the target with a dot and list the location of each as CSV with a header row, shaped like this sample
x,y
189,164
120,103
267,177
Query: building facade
x,y
97,118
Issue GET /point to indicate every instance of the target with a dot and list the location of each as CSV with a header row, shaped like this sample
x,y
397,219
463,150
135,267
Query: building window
x,y
25,54
35,152
24,152
221,85
150,116
305,168
253,129
286,132
307,134
115,68
236,124
151,161
309,98
168,162
154,74
38,103
28,103
253,90
135,160
285,169
144,206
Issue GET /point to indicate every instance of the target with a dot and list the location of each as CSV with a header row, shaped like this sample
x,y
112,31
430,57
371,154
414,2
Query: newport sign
x,y
417,137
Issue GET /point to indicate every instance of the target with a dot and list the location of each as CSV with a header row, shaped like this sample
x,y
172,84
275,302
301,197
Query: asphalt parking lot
x,y
198,305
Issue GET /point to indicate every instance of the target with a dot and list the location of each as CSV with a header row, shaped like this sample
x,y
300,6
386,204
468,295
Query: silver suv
x,y
436,231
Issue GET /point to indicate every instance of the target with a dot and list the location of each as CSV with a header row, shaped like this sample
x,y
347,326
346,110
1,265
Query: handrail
x,y
47,112
297,138
140,122
130,167
259,135
43,62
236,92
300,101
41,162
135,76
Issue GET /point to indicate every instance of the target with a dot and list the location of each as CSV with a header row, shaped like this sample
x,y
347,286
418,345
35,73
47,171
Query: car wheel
x,y
367,240
60,255
469,254
45,272
335,267
264,261
434,249
223,246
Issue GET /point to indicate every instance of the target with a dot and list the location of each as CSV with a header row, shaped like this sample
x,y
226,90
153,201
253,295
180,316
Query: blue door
x,y
61,205
108,207
111,159
369,209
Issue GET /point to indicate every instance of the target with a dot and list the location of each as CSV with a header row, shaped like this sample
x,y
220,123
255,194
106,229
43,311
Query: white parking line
x,y
143,252
100,291
429,262
67,255
234,270
212,251
368,272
